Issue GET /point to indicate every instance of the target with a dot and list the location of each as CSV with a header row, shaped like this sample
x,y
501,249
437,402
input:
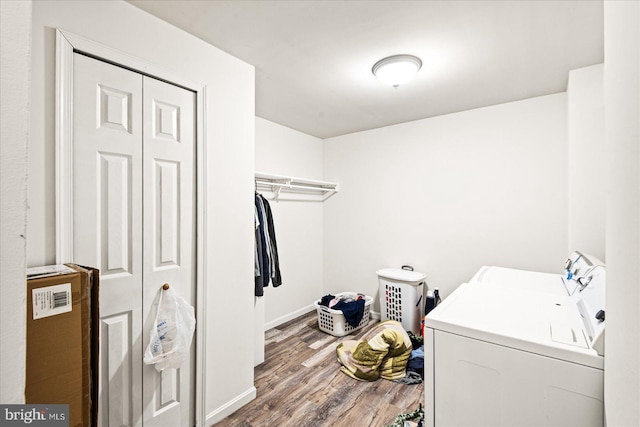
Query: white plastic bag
x,y
172,332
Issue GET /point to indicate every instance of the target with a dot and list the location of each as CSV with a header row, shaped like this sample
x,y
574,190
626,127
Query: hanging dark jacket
x,y
263,260
276,277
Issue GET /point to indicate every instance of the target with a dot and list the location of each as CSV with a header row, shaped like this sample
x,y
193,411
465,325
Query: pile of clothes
x,y
415,364
383,352
351,307
386,351
412,419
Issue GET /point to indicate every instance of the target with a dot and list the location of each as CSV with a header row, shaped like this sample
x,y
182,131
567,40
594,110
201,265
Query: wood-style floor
x,y
300,384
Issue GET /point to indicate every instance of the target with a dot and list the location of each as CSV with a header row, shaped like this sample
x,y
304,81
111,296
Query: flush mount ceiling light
x,y
397,69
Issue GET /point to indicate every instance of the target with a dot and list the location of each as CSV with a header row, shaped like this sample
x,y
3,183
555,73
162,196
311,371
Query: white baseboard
x,y
230,407
284,319
375,315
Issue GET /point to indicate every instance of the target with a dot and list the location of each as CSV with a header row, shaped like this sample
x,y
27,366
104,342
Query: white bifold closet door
x,y
133,209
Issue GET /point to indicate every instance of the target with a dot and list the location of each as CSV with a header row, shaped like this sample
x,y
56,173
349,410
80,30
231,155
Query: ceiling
x,y
313,59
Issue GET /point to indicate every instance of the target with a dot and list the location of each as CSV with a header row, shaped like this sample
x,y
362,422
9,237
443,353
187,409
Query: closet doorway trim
x,y
67,44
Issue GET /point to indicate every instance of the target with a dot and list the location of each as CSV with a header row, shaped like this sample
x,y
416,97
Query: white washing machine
x,y
518,348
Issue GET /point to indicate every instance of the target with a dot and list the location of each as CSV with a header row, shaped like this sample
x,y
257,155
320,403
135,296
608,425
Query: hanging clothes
x,y
276,278
267,262
262,273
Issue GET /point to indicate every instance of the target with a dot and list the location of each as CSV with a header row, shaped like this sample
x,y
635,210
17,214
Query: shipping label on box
x,y
51,300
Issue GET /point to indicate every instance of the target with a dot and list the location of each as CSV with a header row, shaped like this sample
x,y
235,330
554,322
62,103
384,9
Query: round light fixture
x,y
397,69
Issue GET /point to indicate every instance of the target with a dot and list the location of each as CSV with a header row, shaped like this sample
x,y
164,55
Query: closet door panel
x,y
107,227
167,214
169,243
116,212
115,404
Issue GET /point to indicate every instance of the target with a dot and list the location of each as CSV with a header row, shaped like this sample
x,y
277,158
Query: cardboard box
x,y
62,340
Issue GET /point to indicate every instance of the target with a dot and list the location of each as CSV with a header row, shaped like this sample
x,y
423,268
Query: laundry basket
x,y
401,297
333,321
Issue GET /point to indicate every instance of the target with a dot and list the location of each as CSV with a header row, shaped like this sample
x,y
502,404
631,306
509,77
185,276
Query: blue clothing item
x,y
419,352
416,360
416,363
353,311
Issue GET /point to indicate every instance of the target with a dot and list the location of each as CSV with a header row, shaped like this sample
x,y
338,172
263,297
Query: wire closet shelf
x,y
295,188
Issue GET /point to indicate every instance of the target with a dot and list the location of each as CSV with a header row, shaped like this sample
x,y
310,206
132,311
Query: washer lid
x,y
402,275
521,279
545,324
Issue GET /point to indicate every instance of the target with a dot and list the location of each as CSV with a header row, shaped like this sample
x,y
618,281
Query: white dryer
x,y
518,348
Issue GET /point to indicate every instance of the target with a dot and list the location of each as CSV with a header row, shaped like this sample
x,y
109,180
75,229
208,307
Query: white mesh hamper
x,y
401,297
333,321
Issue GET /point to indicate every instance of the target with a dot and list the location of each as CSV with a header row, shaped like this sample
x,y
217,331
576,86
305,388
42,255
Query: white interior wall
x,y
284,151
621,75
622,107
229,152
587,168
448,195
15,26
